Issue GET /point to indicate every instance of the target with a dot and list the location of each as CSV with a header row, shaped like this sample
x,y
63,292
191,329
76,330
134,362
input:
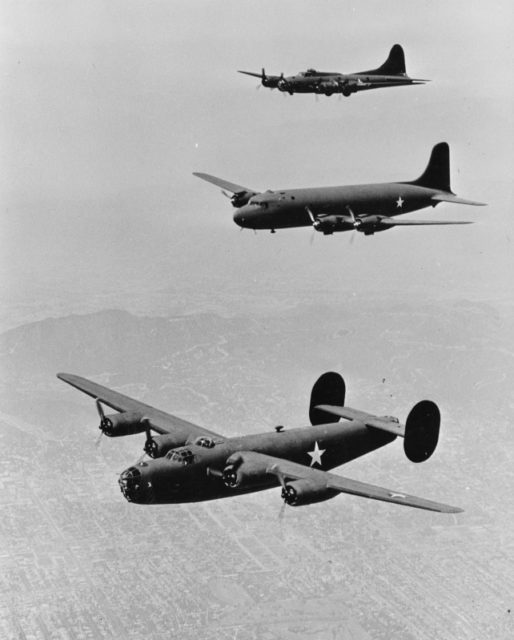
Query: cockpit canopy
x,y
182,456
309,72
205,441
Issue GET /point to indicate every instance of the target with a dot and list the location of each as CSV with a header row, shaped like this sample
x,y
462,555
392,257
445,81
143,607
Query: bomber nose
x,y
239,218
134,486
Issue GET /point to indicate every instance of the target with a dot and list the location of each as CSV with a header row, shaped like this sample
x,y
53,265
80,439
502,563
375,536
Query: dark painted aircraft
x,y
391,74
188,463
367,208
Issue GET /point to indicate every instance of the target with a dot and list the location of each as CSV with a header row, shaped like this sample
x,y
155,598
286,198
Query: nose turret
x,y
135,484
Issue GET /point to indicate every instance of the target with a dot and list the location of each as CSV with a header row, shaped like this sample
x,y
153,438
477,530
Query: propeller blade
x,y
98,440
140,459
100,409
352,215
311,241
281,512
226,194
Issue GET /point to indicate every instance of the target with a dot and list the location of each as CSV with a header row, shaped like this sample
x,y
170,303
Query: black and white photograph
x,y
231,406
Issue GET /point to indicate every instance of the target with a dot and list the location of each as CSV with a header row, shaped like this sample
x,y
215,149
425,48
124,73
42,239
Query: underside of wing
x,y
394,222
319,483
223,184
159,421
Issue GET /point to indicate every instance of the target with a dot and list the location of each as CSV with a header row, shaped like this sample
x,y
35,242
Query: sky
x,y
108,108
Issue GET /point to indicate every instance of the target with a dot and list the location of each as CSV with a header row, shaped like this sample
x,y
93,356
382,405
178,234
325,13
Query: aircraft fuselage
x,y
164,480
329,83
290,207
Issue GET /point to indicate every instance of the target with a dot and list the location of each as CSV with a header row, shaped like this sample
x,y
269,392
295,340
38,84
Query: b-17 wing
x,y
286,471
160,421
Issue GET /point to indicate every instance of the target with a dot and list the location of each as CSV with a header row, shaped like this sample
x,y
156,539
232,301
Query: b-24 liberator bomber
x,y
367,208
390,74
187,463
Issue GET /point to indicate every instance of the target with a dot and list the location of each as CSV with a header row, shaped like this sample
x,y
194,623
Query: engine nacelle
x,y
123,424
369,225
158,446
306,491
241,198
243,471
329,224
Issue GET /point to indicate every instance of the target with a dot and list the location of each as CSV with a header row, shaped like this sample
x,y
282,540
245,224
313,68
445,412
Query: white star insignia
x,y
399,202
149,484
316,454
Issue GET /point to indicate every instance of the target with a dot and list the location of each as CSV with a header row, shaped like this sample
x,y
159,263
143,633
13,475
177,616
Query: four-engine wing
x,y
159,421
223,184
394,222
330,483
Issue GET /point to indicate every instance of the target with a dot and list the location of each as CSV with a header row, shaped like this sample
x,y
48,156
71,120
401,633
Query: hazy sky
x,y
108,107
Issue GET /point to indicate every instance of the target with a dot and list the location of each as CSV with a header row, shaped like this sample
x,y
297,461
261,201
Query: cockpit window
x,y
183,456
205,441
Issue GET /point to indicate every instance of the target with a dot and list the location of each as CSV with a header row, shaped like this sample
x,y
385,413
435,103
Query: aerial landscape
x,y
120,266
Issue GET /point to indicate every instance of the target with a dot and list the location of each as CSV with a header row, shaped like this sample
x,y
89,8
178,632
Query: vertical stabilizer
x,y
393,66
328,389
437,173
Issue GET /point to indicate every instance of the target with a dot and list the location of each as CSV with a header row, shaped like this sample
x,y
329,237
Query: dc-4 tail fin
x,y
437,173
393,66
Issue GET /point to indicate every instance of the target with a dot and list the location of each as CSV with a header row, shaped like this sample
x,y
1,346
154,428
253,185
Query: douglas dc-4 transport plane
x,y
368,208
188,463
391,74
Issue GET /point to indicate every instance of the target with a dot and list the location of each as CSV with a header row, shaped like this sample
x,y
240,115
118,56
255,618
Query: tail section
x,y
422,431
329,389
437,173
393,66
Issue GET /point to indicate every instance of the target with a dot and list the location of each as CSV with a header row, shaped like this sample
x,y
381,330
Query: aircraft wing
x,y
393,222
160,421
449,197
386,423
285,470
223,184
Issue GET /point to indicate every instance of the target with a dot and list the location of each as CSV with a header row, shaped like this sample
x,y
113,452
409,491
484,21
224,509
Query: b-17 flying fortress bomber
x,y
191,464
390,74
367,208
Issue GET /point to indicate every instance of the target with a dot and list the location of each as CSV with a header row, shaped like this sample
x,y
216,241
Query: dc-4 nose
x,y
239,218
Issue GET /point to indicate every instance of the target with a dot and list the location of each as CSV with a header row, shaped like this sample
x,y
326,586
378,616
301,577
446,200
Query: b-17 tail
x,y
393,66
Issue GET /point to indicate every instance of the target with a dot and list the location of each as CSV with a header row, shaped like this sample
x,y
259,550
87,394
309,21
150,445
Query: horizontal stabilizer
x,y
223,184
449,197
387,423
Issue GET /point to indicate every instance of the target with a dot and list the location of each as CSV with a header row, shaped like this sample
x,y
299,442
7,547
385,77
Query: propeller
x,y
150,446
356,223
105,423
